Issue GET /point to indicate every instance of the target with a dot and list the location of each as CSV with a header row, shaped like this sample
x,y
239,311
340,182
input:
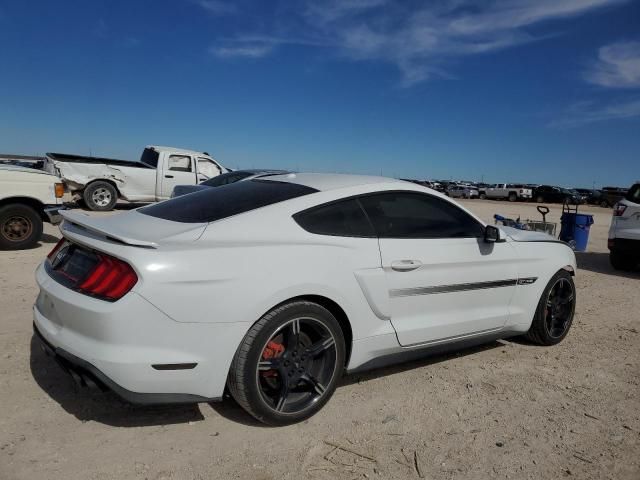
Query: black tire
x,y
20,227
247,384
100,196
541,330
620,261
540,199
513,196
604,204
483,196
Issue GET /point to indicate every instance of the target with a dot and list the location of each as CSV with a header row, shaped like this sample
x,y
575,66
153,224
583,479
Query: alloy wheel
x,y
296,366
559,308
101,197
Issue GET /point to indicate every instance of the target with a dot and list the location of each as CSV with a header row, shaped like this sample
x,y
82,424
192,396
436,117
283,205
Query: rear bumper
x,y
87,375
52,212
133,348
625,245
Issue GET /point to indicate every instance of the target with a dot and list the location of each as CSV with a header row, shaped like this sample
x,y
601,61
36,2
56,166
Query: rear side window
x,y
214,204
415,215
150,157
344,219
633,195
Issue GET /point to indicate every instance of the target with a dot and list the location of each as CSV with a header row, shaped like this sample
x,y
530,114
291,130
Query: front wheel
x,y
20,227
513,197
483,196
554,314
288,364
539,199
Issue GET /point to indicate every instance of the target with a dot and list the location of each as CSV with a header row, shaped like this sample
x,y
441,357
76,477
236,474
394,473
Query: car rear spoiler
x,y
93,224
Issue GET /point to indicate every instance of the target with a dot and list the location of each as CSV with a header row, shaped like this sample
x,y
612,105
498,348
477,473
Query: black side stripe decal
x,y
459,287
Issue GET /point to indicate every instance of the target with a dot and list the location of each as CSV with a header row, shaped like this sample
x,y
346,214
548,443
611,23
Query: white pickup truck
x,y
99,182
510,191
28,197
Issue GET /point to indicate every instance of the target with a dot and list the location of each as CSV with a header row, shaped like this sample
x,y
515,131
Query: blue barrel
x,y
575,230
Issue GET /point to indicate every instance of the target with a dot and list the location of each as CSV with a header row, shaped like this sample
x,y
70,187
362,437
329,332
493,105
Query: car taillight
x,y
59,190
92,273
53,252
619,209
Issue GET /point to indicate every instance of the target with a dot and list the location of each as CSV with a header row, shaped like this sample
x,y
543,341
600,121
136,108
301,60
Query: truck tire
x,y
540,199
483,196
513,196
100,196
604,204
20,226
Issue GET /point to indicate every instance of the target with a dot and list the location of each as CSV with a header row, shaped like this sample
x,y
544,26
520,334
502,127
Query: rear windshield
x,y
217,203
150,157
633,195
226,178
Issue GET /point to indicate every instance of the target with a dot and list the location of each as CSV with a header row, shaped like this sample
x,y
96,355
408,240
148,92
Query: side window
x,y
415,215
180,163
344,219
207,168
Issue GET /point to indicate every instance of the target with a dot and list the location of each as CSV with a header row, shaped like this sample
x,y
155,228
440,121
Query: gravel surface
x,y
507,409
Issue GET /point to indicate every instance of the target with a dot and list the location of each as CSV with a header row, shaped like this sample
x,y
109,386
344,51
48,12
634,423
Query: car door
x,y
443,280
207,169
177,170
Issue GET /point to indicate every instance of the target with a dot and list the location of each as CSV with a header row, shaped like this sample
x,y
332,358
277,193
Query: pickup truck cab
x,y
100,182
510,191
28,197
624,233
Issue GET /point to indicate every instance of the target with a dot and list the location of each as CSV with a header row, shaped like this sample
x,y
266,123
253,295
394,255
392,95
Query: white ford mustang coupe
x,y
276,286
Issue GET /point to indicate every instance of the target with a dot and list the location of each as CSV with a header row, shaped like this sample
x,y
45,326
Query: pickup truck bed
x,y
65,157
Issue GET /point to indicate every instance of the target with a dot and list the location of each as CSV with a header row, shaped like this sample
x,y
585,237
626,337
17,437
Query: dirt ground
x,y
504,410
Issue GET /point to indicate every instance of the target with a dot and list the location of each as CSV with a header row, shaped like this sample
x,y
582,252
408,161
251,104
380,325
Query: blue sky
x,y
517,90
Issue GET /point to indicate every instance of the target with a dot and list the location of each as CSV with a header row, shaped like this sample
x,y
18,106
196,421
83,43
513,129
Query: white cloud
x,y
587,112
243,50
618,66
420,41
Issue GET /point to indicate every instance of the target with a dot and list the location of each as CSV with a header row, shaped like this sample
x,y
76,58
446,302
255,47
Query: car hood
x,y
518,235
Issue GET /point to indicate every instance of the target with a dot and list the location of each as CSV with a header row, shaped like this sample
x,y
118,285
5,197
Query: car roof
x,y
332,181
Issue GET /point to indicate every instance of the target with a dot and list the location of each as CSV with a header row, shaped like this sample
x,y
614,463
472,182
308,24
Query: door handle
x,y
168,176
405,265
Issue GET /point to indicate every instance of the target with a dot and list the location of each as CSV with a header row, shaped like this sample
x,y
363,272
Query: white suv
x,y
624,233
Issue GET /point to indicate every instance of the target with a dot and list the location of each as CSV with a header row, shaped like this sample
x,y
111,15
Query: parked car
x,y
99,182
611,195
28,197
462,191
624,233
553,194
510,191
275,286
589,196
224,179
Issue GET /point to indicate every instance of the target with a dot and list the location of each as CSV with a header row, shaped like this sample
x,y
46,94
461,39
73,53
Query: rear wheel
x,y
288,364
20,227
483,196
540,199
604,204
554,314
100,196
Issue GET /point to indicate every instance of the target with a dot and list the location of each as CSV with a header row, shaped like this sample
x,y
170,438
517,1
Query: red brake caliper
x,y
272,350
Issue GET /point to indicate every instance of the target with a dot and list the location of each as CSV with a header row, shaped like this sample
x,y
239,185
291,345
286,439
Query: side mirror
x,y
491,234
